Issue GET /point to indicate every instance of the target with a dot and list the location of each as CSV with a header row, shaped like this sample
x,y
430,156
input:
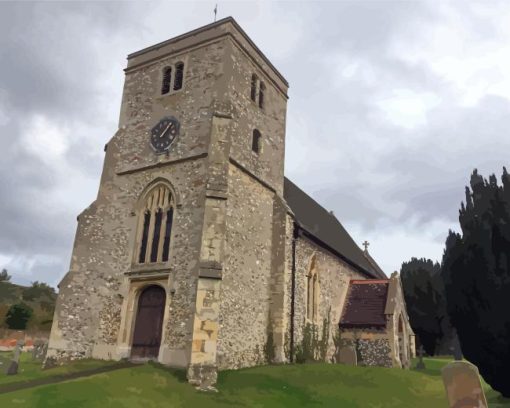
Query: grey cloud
x,y
49,67
60,63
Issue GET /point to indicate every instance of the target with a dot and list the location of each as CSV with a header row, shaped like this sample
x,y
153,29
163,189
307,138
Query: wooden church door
x,y
149,323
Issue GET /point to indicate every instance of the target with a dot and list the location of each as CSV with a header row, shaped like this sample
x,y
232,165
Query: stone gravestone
x,y
348,356
39,350
420,365
463,386
13,366
4,363
43,351
456,350
37,342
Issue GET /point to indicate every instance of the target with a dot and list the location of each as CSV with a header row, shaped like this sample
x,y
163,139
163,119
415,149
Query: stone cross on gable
x,y
366,244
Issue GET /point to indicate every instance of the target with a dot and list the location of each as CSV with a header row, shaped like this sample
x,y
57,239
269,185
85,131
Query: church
x,y
198,252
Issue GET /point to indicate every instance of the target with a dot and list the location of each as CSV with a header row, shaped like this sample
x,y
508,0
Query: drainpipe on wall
x,y
293,291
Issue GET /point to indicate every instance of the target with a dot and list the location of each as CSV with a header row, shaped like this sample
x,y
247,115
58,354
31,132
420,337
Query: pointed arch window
x,y
312,290
156,225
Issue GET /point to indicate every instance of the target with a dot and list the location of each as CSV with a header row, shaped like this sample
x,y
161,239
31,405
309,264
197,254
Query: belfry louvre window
x,y
156,225
253,93
255,141
262,89
179,75
173,78
167,77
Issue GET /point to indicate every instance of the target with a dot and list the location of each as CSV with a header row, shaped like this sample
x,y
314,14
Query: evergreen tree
x,y
4,276
18,316
423,293
476,273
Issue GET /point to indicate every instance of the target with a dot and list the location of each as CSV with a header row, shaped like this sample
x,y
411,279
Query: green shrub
x,y
17,316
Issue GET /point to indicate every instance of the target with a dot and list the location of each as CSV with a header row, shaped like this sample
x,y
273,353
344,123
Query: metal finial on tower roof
x,y
366,244
215,12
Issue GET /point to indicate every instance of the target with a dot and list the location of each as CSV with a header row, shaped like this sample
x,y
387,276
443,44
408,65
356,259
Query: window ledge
x,y
162,96
149,267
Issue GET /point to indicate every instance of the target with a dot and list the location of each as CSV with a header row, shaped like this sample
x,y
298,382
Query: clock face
x,y
164,133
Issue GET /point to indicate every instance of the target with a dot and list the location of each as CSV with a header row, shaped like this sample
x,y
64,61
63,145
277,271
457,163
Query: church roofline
x,y
313,237
369,281
203,29
325,229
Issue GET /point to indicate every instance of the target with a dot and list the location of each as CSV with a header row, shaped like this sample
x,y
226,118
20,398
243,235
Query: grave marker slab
x,y
13,366
463,387
420,365
348,356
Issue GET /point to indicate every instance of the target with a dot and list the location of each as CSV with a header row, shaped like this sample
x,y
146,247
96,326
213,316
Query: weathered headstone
x,y
44,350
420,365
35,348
4,363
463,386
13,366
39,350
456,350
348,356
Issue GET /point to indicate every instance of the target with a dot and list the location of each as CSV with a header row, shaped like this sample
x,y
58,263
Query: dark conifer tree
x,y
476,273
423,292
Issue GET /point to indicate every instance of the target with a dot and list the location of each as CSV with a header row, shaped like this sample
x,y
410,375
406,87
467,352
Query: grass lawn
x,y
312,385
31,370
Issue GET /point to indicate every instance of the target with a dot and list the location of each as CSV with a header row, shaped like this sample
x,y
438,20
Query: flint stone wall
x,y
88,311
372,346
245,289
334,277
89,305
269,120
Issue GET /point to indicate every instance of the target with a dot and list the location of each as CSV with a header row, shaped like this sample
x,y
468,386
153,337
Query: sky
x,y
391,107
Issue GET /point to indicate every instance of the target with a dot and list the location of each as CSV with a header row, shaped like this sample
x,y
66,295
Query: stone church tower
x,y
177,258
197,251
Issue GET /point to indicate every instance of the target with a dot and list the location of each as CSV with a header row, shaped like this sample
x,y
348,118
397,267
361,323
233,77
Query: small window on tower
x,y
179,75
253,88
255,143
261,94
167,76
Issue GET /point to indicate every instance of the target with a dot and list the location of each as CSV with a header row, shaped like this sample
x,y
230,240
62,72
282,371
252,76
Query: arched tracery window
x,y
156,225
312,289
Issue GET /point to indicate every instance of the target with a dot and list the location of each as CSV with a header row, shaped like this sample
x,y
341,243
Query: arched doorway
x,y
149,323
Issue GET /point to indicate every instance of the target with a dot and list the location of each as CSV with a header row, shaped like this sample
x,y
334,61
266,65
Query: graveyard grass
x,y
31,369
325,385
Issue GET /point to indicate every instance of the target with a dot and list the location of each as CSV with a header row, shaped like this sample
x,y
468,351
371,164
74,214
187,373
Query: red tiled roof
x,y
365,303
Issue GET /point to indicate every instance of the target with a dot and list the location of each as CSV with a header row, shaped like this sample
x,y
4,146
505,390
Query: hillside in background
x,y
39,297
